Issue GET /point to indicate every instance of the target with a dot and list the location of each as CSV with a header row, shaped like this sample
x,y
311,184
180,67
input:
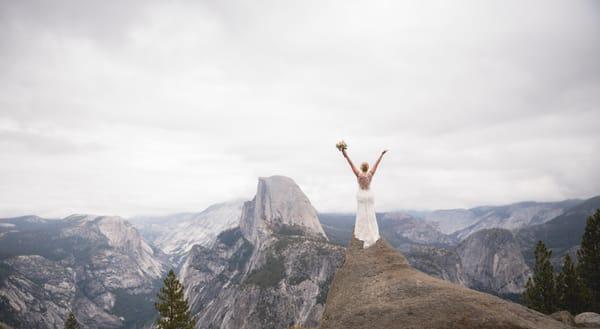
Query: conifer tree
x,y
71,322
588,256
540,290
172,306
573,296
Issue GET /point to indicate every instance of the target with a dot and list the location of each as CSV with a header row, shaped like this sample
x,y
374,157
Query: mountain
x,y
449,221
443,263
489,260
492,261
338,227
404,231
377,288
448,227
279,206
561,234
98,266
401,229
272,271
264,263
514,216
176,234
463,222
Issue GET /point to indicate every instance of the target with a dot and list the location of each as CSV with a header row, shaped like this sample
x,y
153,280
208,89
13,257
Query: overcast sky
x,y
125,107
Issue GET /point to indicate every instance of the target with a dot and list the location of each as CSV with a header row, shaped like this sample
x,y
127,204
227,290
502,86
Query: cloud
x,y
153,107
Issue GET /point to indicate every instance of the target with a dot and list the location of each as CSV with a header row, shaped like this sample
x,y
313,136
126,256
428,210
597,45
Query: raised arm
x,y
350,162
377,163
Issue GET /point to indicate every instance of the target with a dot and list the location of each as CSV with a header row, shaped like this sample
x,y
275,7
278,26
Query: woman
x,y
365,228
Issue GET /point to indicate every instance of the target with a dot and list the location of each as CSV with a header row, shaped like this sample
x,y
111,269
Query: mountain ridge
x,y
90,264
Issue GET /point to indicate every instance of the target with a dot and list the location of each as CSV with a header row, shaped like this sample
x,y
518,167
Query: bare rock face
x,y
377,288
438,262
93,265
271,272
564,317
489,260
279,206
176,234
492,261
588,320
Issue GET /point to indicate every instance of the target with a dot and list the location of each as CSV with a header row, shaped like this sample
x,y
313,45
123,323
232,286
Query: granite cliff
x,y
272,271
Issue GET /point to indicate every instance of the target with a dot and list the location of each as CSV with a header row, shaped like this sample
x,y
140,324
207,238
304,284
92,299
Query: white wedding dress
x,y
365,228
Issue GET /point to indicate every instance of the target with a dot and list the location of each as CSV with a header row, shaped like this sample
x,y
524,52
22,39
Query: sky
x,y
154,107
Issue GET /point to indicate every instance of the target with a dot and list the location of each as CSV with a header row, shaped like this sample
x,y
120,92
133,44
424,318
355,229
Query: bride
x,y
365,228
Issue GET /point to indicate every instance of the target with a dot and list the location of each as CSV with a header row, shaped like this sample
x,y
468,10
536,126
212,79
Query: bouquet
x,y
341,145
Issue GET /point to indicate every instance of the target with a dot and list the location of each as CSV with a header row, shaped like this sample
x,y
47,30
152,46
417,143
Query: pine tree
x,y
71,322
172,306
540,290
588,256
573,295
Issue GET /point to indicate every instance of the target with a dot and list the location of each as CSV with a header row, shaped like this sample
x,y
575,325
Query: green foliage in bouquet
x,y
341,145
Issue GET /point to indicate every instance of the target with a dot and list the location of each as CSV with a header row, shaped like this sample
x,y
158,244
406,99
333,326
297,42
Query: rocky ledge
x,y
377,288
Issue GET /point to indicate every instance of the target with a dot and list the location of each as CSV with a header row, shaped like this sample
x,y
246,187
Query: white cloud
x,y
160,107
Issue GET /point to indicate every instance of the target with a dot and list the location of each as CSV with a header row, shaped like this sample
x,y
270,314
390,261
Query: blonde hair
x,y
364,166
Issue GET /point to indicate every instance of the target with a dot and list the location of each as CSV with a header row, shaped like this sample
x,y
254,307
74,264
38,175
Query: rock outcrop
x,y
588,320
279,207
377,288
564,317
271,272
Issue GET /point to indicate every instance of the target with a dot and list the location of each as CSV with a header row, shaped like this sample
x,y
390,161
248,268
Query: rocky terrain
x,y
478,250
489,260
377,288
176,234
264,263
492,261
514,216
439,262
272,271
100,267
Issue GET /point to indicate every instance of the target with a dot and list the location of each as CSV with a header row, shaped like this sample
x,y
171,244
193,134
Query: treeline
x,y
576,288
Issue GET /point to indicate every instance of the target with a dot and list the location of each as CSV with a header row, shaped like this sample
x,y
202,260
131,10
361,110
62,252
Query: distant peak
x,y
279,206
91,217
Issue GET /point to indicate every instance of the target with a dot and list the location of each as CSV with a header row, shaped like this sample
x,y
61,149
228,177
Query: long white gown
x,y
365,227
